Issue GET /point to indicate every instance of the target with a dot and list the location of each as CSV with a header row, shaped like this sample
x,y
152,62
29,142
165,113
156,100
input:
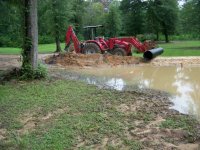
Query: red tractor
x,y
115,46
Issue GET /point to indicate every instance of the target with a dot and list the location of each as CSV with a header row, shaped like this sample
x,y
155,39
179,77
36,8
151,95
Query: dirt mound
x,y
93,60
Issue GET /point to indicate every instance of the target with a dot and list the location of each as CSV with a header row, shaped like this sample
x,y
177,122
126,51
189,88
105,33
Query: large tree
x,y
113,21
133,16
77,17
30,42
165,14
94,13
29,28
190,17
55,16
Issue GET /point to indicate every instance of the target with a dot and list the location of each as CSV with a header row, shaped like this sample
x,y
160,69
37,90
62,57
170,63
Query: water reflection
x,y
186,99
117,84
182,82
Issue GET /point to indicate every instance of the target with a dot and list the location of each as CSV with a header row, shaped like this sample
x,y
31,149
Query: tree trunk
x,y
166,37
56,27
58,48
157,36
30,45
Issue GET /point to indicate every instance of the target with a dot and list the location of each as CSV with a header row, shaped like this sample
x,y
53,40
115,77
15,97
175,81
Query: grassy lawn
x,y
181,48
79,112
176,48
43,48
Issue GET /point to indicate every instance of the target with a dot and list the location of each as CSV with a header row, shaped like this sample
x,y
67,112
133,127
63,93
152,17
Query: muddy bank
x,y
138,119
176,61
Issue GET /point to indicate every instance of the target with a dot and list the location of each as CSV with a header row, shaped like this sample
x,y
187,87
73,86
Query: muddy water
x,y
182,82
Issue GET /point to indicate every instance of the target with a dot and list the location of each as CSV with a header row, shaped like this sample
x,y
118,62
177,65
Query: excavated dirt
x,y
93,60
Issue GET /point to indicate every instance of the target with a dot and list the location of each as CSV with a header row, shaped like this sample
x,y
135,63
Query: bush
x,y
27,73
144,37
46,39
180,37
6,41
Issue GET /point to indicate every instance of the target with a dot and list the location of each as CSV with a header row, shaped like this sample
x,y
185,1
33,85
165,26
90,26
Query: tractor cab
x,y
90,32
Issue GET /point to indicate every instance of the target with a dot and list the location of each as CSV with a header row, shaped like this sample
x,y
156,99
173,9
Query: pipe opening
x,y
150,54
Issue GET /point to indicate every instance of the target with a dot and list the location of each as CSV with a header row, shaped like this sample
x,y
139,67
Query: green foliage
x,y
113,22
94,14
153,17
190,17
55,16
10,22
28,73
164,21
133,16
46,39
144,37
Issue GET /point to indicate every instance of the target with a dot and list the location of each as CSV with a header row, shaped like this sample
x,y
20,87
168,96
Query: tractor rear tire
x,y
119,52
91,48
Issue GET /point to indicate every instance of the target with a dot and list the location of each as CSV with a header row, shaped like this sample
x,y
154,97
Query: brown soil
x,y
9,61
30,120
93,60
105,60
82,61
3,133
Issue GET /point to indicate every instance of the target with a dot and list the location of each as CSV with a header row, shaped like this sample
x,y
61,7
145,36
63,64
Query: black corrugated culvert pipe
x,y
150,54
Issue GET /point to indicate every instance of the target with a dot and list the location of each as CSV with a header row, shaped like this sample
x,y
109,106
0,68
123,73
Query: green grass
x,y
182,122
10,50
43,49
179,48
175,48
90,114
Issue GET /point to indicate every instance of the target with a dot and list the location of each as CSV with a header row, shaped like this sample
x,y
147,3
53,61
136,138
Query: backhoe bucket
x,y
150,54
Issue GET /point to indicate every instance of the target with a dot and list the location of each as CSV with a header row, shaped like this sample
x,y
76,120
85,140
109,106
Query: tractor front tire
x,y
119,52
91,48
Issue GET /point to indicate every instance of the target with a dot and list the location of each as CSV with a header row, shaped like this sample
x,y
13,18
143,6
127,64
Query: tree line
x,y
151,19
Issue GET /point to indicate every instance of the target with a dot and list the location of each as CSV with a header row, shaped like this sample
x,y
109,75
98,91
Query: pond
x,y
182,82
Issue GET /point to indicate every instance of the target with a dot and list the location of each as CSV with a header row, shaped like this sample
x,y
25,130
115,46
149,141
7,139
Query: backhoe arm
x,y
71,36
142,47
